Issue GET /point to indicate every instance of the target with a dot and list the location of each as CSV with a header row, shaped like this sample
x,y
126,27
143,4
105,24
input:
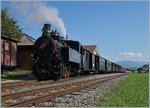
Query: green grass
x,y
14,75
131,92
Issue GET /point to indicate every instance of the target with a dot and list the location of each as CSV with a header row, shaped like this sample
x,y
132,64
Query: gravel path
x,y
86,97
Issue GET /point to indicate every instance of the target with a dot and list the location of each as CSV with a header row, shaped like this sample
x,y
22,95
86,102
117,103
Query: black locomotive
x,y
55,57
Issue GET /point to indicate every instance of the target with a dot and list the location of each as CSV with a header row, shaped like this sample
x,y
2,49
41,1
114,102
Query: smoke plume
x,y
40,12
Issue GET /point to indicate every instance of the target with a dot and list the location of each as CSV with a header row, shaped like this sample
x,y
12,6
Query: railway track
x,y
5,87
22,85
11,85
38,95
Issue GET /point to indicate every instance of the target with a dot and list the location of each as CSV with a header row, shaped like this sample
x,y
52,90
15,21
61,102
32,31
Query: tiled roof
x,y
26,40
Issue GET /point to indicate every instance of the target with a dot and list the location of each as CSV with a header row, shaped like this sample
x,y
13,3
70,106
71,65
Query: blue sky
x,y
120,29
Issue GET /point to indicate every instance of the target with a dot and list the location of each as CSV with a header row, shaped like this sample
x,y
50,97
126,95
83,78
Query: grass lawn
x,y
131,92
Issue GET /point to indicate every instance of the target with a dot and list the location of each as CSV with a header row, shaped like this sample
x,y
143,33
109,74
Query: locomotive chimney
x,y
46,30
47,27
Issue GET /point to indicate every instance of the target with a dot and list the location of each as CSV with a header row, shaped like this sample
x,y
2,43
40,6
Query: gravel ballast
x,y
86,97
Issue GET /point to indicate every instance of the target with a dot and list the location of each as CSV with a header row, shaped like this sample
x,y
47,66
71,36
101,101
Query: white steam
x,y
39,12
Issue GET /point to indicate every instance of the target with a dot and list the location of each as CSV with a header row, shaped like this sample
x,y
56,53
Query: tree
x,y
140,70
146,67
9,25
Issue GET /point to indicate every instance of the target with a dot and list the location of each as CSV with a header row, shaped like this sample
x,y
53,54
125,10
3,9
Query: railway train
x,y
55,57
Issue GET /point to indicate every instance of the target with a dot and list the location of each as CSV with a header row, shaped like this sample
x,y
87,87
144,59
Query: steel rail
x,y
11,85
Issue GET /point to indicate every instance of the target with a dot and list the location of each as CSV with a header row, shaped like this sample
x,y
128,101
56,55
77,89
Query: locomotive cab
x,y
76,45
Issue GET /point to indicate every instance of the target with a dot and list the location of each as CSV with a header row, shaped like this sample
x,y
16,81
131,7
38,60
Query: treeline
x,y
9,26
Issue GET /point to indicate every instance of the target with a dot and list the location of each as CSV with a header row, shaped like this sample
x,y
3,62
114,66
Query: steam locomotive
x,y
54,58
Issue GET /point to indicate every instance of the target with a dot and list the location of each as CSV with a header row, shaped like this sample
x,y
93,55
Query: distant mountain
x,y
132,64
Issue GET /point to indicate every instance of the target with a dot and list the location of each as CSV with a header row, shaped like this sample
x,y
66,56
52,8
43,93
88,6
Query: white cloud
x,y
131,55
